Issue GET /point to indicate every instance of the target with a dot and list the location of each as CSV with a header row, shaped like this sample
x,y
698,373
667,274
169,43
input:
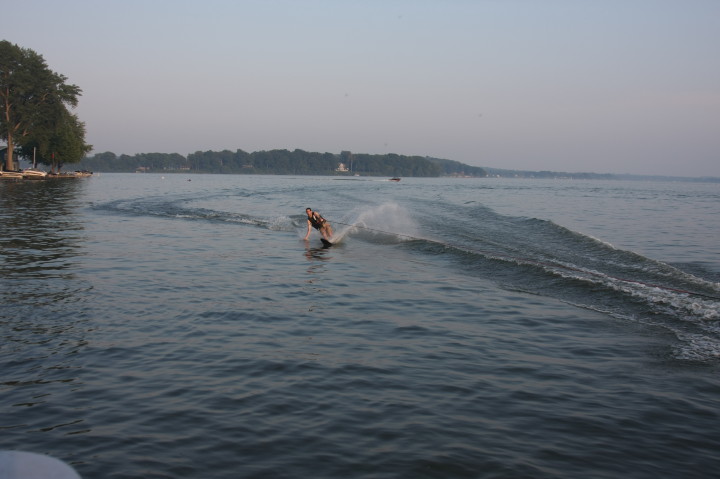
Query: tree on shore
x,y
59,142
282,162
34,113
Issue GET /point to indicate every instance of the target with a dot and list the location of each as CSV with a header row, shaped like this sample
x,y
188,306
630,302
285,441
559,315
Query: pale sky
x,y
605,86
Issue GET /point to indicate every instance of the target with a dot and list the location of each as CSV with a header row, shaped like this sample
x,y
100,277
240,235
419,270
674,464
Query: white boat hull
x,y
33,174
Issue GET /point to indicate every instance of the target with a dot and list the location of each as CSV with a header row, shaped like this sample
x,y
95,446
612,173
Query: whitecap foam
x,y
697,347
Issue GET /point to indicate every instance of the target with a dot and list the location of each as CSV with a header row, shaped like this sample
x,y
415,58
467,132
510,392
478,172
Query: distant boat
x,y
33,174
62,175
11,175
395,179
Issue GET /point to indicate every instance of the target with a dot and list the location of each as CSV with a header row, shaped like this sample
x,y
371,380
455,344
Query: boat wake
x,y
530,255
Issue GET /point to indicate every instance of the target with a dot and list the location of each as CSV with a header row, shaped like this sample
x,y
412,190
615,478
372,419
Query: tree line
x,y
37,124
35,118
280,162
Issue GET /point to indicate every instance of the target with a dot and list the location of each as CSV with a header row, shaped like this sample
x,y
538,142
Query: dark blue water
x,y
158,327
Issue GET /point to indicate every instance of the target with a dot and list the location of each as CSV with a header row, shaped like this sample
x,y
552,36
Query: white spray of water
x,y
388,221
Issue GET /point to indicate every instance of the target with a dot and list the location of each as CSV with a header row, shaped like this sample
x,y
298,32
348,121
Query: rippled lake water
x,y
178,326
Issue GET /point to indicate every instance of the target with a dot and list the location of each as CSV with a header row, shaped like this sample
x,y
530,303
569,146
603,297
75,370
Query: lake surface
x,y
178,326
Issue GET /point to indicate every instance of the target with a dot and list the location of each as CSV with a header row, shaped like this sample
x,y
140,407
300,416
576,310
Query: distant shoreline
x,y
501,173
521,175
346,163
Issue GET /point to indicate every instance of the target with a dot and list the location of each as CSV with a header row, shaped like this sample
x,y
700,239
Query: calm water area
x,y
178,326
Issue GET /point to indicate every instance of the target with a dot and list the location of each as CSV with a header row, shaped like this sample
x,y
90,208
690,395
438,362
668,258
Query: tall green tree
x,y
68,143
33,99
59,143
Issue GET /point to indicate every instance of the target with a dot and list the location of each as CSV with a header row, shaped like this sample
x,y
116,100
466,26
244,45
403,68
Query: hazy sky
x,y
619,86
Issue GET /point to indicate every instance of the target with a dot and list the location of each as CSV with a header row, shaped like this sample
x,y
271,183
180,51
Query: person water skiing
x,y
315,220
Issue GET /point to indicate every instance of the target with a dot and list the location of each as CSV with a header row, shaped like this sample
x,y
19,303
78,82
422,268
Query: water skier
x,y
315,220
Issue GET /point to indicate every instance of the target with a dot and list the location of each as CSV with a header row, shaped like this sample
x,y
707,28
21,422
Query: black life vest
x,y
316,220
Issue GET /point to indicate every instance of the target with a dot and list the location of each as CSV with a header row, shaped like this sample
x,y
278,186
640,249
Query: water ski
x,y
326,243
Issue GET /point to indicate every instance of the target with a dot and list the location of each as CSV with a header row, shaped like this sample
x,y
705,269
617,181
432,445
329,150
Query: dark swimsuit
x,y
316,221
